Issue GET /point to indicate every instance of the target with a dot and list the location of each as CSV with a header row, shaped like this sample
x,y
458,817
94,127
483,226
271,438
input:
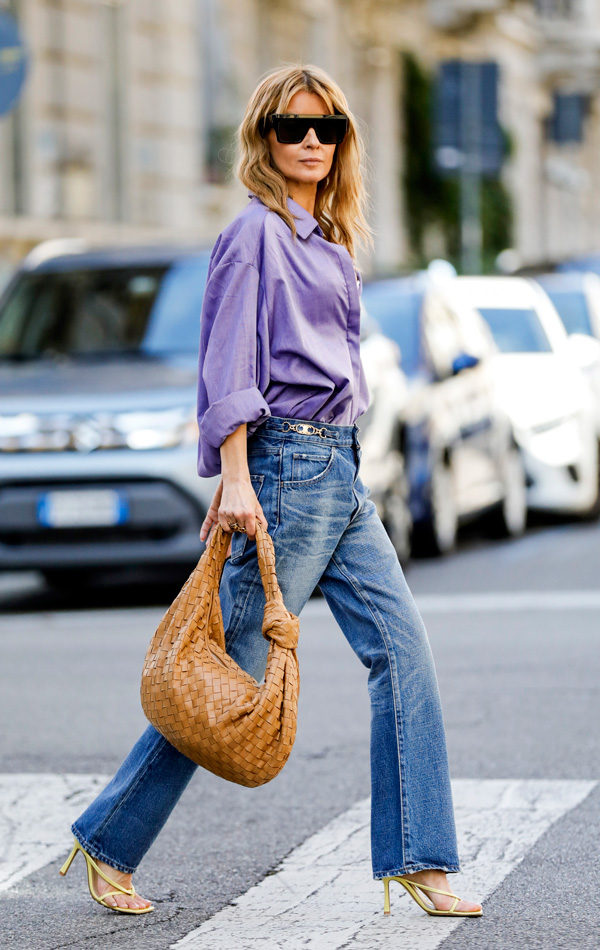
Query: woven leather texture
x,y
200,699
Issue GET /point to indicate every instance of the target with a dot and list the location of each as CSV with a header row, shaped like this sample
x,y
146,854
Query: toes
x,y
468,906
140,902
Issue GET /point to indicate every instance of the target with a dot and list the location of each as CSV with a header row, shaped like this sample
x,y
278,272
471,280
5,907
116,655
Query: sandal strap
x,y
130,891
111,894
436,890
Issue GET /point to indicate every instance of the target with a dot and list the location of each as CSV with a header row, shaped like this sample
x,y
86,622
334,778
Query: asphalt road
x,y
518,675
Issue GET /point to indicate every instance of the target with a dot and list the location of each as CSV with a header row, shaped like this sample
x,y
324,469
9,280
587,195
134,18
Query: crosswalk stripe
x,y
322,896
36,812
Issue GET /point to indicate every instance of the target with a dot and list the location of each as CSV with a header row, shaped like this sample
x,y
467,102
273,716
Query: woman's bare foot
x,y
435,878
119,877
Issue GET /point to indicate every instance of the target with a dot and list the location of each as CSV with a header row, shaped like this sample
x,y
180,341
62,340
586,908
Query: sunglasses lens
x,y
292,130
330,131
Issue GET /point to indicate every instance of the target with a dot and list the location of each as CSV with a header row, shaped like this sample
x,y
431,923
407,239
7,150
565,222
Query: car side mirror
x,y
464,361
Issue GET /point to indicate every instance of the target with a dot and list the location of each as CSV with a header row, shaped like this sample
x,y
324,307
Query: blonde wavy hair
x,y
341,196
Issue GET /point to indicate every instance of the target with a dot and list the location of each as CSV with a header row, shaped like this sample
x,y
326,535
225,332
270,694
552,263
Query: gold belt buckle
x,y
305,428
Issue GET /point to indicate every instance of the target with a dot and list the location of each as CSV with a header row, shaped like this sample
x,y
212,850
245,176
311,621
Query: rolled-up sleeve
x,y
228,392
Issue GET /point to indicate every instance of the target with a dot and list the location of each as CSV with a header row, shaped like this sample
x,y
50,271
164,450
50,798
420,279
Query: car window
x,y
398,314
572,309
174,325
475,335
103,311
516,331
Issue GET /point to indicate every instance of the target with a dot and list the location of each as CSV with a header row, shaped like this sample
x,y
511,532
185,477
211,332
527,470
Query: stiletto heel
x,y
386,887
411,887
68,862
91,864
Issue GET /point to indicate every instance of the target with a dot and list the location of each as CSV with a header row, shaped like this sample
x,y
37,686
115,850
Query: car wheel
x,y
397,520
509,519
438,535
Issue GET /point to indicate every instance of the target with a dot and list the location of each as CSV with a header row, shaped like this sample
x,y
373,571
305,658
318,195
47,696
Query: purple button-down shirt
x,y
279,329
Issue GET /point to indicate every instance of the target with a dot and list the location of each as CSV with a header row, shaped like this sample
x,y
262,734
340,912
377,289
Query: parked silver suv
x,y
98,431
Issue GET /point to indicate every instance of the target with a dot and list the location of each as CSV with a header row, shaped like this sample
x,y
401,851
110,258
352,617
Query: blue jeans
x,y
326,532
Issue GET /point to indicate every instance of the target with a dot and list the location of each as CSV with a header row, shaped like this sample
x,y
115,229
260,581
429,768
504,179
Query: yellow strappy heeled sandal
x,y
411,887
90,863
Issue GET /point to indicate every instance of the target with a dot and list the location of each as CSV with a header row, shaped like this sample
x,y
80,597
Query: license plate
x,y
81,509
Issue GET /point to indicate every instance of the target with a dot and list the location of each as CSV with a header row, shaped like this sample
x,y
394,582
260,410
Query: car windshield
x,y
573,310
398,315
104,312
516,331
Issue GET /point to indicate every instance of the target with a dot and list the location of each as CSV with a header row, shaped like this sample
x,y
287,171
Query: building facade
x,y
125,128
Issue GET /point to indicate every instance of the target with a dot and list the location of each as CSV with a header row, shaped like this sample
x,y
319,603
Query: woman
x,y
280,386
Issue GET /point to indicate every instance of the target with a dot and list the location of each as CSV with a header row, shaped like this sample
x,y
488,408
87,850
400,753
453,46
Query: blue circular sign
x,y
13,62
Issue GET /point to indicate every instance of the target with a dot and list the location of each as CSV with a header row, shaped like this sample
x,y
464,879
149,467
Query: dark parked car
x,y
460,454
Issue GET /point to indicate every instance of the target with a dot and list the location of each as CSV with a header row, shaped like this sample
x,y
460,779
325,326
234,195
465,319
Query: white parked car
x,y
382,465
576,297
542,389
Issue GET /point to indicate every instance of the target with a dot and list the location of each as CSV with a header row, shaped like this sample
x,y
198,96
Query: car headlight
x,y
157,430
152,429
556,442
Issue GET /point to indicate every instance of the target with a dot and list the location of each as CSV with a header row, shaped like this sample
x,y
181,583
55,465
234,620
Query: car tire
x,y
397,520
509,518
437,536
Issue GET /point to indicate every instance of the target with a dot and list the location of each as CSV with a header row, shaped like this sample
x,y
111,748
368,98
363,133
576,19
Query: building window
x,y
556,9
566,124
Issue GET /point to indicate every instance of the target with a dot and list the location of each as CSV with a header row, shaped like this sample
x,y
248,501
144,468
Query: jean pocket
x,y
310,467
239,539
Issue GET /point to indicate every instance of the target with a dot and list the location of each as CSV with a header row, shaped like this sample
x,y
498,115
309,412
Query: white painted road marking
x,y
36,813
509,601
487,602
324,898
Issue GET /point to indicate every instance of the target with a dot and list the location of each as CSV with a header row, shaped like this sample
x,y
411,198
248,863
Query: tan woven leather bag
x,y
198,697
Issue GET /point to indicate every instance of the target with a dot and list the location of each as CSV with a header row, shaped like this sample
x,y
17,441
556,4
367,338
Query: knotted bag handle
x,y
279,624
217,555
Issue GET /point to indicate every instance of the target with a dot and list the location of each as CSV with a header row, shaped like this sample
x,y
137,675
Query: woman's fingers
x,y
259,515
210,533
212,513
239,505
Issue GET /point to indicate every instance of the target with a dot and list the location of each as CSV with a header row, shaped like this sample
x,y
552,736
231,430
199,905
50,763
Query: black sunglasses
x,y
292,127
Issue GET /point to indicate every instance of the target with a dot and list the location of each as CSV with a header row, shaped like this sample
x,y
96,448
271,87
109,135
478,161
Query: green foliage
x,y
496,220
432,200
422,185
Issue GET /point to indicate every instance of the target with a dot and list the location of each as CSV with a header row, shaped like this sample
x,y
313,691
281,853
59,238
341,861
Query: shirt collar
x,y
305,223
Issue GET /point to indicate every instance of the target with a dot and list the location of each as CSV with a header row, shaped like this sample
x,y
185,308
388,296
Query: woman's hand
x,y
234,500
